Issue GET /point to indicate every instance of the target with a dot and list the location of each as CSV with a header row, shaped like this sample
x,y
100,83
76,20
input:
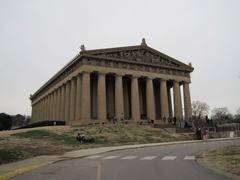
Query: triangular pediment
x,y
141,53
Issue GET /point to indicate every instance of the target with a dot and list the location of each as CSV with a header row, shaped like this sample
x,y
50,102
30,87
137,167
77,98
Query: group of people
x,y
202,134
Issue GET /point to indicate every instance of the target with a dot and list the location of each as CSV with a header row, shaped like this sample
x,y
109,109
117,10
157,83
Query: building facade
x,y
133,83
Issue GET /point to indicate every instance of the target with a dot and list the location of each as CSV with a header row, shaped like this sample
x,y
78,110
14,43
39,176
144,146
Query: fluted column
x,y
72,99
119,107
170,102
44,107
41,110
67,101
101,96
78,98
57,105
51,106
150,100
135,104
164,100
177,101
86,103
62,105
187,101
48,107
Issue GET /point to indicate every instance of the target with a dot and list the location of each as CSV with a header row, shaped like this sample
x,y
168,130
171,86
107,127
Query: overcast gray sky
x,y
38,37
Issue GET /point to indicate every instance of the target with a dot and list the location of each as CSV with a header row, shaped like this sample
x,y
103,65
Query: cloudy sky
x,y
38,37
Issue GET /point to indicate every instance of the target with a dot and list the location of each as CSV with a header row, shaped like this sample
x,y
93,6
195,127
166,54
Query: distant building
x,y
132,82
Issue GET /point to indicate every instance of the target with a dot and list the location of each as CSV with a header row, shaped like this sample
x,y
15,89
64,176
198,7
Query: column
x,y
150,99
135,99
78,98
101,96
86,105
51,106
170,102
177,101
47,114
67,101
54,104
119,109
72,99
58,104
187,102
41,110
44,108
164,100
62,106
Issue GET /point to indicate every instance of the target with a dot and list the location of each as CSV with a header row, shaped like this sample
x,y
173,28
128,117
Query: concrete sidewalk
x,y
12,169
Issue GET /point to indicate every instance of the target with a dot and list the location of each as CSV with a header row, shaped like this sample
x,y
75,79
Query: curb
x,y
87,152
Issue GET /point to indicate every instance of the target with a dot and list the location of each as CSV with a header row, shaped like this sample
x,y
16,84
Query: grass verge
x,y
226,159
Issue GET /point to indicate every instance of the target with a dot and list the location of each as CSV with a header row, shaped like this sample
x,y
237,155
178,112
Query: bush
x,y
44,123
5,122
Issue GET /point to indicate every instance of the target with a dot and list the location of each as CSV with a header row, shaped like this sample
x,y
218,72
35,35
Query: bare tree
x,y
199,111
222,115
237,116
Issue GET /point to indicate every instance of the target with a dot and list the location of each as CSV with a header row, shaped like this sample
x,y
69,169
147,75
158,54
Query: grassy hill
x,y
25,143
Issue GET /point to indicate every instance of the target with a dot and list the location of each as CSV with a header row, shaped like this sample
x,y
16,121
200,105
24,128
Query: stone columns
x,y
150,99
67,101
46,107
78,98
119,109
54,105
86,105
187,101
177,101
170,102
101,95
164,100
72,99
135,99
62,105
57,104
51,110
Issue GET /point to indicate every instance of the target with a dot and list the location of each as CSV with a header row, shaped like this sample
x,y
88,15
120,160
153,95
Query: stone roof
x,y
141,54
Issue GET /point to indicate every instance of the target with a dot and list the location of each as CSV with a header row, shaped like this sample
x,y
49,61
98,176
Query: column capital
x,y
135,76
150,78
161,80
86,72
102,73
118,74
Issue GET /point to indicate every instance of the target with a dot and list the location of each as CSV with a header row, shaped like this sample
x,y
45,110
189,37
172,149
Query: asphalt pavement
x,y
170,162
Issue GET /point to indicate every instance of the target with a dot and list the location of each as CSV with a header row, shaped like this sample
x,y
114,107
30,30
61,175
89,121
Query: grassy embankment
x,y
226,159
21,144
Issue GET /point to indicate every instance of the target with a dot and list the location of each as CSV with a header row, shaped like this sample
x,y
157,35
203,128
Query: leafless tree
x,y
222,115
237,116
199,111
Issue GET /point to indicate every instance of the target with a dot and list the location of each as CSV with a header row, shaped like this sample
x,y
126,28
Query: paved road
x,y
153,163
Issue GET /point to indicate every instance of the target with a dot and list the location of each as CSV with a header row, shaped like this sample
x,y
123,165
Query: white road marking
x,y
148,158
129,157
169,158
92,157
110,157
189,158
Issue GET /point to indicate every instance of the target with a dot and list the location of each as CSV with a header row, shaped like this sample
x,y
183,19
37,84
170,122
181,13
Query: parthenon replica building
x,y
133,83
